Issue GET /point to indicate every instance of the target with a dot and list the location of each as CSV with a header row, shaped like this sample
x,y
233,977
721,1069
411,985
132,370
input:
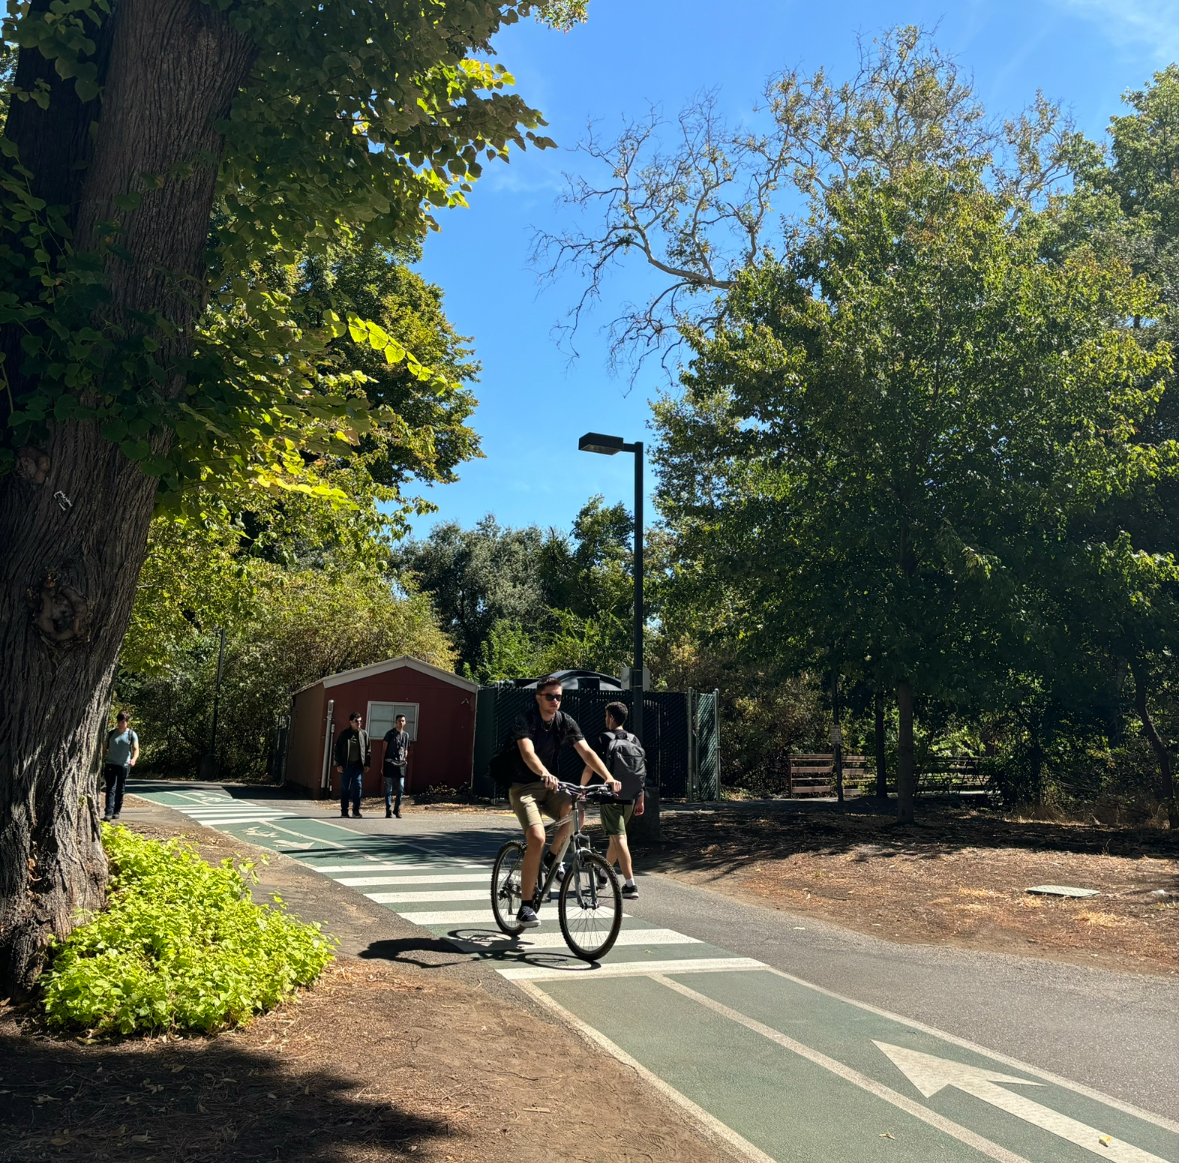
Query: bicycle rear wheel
x,y
590,916
506,897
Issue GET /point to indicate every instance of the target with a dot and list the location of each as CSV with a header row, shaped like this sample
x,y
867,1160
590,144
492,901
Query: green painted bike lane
x,y
779,1068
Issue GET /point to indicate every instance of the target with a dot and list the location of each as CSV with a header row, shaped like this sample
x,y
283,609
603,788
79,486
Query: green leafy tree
x,y
478,579
1128,197
894,431
292,628
520,602
165,167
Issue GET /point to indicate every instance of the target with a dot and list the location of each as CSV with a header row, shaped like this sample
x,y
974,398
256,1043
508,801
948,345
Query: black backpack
x,y
627,762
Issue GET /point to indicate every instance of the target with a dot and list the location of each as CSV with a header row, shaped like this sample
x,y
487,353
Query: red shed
x,y
439,709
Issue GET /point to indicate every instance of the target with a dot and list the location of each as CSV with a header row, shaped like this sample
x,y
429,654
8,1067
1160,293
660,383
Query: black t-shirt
x,y
547,740
396,748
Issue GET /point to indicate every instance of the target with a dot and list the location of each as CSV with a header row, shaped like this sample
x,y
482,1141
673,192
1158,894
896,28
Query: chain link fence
x,y
680,736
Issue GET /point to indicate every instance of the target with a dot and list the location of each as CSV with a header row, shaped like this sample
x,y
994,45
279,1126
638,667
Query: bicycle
x,y
589,905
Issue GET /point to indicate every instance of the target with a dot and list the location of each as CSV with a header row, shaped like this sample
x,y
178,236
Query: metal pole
x,y
837,734
209,762
325,778
217,695
636,677
716,735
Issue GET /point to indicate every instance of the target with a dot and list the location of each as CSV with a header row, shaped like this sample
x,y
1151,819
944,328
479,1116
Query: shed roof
x,y
402,661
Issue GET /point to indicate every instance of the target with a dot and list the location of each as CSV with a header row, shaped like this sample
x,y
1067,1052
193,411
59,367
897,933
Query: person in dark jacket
x,y
353,755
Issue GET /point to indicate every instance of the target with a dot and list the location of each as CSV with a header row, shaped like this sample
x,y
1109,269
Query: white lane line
x,y
629,969
946,1126
930,1074
443,878
533,940
994,1055
709,1125
426,898
389,866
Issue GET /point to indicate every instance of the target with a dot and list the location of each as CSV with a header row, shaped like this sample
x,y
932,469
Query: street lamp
x,y
610,446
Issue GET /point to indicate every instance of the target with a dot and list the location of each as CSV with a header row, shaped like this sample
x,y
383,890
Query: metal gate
x,y
704,746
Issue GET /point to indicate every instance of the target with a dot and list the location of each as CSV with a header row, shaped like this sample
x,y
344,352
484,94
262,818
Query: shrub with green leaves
x,y
180,946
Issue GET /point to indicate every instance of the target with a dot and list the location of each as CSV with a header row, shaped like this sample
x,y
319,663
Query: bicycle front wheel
x,y
506,897
590,906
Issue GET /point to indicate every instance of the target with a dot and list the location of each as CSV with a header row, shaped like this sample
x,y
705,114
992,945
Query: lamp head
x,y
598,442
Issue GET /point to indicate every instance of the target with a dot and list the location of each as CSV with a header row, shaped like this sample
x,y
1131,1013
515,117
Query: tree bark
x,y
881,758
1157,743
906,776
74,517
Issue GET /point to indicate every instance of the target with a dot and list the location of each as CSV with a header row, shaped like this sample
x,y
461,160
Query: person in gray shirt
x,y
122,750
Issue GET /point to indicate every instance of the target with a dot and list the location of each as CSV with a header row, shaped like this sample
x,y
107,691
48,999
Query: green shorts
x,y
615,818
528,800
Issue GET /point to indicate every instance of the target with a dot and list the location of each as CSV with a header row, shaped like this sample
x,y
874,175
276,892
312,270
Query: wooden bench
x,y
814,774
951,775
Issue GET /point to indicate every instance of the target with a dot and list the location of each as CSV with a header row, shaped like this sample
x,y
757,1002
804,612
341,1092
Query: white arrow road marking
x,y
929,1075
848,1073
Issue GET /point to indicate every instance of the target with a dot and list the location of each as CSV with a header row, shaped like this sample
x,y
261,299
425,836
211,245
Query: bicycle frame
x,y
579,794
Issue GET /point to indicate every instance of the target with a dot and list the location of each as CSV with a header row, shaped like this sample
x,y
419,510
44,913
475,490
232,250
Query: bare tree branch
x,y
704,209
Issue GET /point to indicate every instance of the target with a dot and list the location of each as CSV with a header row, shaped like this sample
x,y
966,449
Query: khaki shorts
x,y
615,818
528,800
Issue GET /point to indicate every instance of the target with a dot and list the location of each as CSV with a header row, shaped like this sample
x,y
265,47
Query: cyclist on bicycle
x,y
539,736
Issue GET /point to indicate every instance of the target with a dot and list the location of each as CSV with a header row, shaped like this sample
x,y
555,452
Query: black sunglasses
x,y
552,698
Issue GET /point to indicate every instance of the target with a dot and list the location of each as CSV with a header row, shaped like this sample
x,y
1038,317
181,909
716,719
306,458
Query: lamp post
x,y
644,828
610,446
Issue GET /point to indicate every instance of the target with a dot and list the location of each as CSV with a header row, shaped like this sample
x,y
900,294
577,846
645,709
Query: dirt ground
x,y
957,878
379,1060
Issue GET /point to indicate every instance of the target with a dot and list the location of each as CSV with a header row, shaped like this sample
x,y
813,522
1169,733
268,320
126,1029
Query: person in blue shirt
x,y
122,750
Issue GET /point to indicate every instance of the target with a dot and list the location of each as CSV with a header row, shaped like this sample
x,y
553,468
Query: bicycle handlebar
x,y
584,791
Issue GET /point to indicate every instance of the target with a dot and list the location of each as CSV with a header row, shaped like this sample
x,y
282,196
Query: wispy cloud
x,y
1153,24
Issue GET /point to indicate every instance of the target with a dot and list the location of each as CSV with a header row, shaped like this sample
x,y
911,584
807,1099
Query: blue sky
x,y
631,53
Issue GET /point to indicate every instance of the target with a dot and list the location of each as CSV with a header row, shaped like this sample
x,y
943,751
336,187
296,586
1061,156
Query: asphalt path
x,y
787,1038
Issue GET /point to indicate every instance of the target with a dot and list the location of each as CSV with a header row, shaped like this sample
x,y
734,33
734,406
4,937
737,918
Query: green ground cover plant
x,y
181,946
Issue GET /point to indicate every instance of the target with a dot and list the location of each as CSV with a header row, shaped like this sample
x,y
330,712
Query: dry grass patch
x,y
959,878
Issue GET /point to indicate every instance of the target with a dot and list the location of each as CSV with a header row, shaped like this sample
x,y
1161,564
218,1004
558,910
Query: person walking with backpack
x,y
122,750
624,757
353,755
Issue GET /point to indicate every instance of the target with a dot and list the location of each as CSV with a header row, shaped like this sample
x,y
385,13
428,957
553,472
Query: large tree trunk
x,y
74,517
1138,670
906,775
881,757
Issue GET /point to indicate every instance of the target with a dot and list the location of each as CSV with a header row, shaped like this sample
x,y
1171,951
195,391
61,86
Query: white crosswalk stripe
x,y
451,917
466,917
533,940
629,968
445,878
378,866
408,898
